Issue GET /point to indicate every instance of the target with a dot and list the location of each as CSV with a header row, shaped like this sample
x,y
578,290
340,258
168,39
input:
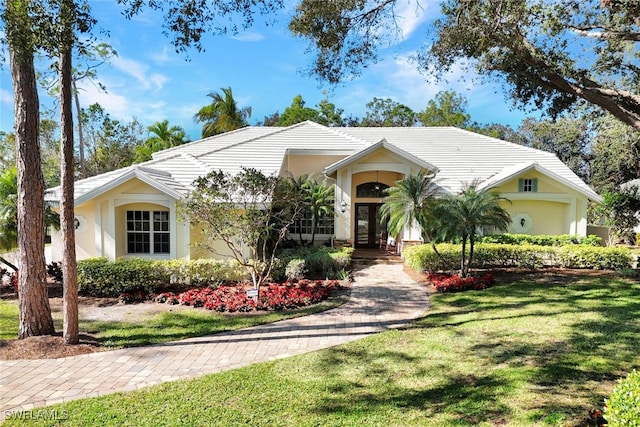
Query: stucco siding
x,y
546,217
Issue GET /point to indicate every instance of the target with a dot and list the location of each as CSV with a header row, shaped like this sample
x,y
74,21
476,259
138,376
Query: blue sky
x,y
264,66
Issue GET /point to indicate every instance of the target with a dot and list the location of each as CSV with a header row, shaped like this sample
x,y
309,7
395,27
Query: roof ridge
x,y
337,131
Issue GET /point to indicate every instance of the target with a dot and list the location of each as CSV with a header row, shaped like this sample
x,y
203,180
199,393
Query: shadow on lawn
x,y
474,398
568,373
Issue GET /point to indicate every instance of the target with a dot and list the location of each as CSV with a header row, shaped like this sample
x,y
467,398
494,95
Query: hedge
x,y
103,278
542,239
622,406
492,255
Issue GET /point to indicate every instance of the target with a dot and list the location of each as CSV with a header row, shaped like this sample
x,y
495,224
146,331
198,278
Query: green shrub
x,y
623,405
542,239
103,278
598,258
491,255
296,270
320,261
210,272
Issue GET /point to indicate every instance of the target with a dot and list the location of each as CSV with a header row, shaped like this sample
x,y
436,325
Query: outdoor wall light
x,y
522,221
343,206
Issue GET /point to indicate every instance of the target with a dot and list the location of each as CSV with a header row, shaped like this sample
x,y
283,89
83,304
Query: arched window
x,y
371,189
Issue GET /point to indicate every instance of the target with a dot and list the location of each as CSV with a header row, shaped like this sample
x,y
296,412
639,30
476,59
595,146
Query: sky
x,y
265,67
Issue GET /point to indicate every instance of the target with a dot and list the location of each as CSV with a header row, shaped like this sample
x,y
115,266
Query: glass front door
x,y
369,227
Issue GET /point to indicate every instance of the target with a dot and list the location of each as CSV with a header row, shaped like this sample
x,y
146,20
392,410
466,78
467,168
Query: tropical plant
x,y
412,201
161,137
317,198
463,215
223,114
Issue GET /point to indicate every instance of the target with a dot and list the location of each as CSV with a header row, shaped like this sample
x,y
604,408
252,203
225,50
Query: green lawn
x,y
162,327
539,352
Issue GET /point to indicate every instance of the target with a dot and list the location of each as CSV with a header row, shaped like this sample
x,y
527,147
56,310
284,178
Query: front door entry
x,y
369,227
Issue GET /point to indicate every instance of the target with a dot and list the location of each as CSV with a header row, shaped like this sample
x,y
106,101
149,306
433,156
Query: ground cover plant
x,y
537,349
273,296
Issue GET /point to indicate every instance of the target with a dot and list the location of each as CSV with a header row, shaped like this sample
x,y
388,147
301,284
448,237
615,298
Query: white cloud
x,y
116,105
158,80
248,36
138,71
163,57
410,14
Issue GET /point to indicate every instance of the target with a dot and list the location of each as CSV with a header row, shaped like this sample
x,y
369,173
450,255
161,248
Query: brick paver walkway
x,y
382,297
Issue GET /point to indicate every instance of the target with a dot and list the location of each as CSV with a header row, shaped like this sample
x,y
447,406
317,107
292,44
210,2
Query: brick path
x,y
382,297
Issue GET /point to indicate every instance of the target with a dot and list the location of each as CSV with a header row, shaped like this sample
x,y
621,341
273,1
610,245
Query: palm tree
x,y
317,198
161,137
412,200
463,215
222,115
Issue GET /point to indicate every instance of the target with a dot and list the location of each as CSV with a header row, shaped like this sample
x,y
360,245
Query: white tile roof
x,y
459,155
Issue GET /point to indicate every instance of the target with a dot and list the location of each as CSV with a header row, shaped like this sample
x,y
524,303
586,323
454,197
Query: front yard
x,y
536,349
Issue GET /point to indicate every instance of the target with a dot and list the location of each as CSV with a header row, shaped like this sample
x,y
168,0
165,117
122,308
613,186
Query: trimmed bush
x,y
600,258
542,240
102,278
492,255
622,405
319,262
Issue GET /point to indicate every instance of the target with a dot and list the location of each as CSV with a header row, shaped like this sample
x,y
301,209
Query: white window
x,y
148,232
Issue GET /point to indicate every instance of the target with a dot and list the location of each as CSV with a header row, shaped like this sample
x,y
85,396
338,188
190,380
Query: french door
x,y
368,225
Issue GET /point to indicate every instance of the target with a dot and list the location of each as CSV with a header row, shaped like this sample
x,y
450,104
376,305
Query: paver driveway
x,y
382,297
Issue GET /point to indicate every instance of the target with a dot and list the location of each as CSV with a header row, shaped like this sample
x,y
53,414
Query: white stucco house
x,y
132,211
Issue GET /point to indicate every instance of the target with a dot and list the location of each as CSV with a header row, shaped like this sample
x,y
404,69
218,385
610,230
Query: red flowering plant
x,y
273,296
453,283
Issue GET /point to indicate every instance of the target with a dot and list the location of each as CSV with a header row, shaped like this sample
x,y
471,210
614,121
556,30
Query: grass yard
x,y
538,351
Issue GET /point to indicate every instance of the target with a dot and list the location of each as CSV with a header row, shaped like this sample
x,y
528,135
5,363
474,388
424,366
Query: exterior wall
x,y
310,164
541,217
553,209
102,223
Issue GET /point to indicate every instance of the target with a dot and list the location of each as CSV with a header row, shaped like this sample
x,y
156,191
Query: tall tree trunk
x,y
69,268
83,166
35,312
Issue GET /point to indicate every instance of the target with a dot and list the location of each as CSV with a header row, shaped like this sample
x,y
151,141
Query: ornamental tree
x,y
250,213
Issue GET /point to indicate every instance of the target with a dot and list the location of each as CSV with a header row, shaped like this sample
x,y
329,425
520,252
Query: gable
x,y
384,156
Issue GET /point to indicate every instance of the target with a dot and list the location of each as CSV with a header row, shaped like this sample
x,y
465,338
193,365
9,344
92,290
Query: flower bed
x,y
273,296
448,283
